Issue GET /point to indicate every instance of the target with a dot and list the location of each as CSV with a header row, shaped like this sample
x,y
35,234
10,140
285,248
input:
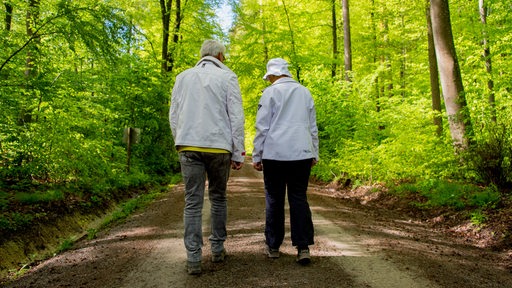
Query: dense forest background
x,y
413,96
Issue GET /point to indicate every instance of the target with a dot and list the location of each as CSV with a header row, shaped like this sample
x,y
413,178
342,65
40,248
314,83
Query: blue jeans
x,y
292,178
195,168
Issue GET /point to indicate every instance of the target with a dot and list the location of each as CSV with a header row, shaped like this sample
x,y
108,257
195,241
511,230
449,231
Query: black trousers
x,y
281,178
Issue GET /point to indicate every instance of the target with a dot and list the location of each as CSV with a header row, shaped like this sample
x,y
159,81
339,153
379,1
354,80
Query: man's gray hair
x,y
212,48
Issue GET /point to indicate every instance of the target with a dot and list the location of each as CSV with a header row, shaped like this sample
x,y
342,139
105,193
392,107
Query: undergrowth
x,y
126,209
439,193
24,204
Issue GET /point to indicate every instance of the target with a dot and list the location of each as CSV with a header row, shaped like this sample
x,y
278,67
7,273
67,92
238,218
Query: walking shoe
x,y
272,252
194,268
303,257
219,257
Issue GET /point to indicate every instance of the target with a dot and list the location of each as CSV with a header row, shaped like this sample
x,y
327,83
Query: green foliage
x,y
10,222
4,201
478,218
66,245
67,93
93,79
403,150
488,197
378,127
39,197
91,233
128,207
450,194
490,156
369,131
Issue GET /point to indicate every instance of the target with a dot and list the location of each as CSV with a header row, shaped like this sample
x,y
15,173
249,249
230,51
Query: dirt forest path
x,y
356,246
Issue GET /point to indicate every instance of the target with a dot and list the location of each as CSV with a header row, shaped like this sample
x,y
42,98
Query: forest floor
x,y
363,239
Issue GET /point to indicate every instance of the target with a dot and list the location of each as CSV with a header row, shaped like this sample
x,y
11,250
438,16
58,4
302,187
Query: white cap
x,y
277,67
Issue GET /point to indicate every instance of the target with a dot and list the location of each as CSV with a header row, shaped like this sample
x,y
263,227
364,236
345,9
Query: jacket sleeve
x,y
314,130
173,110
263,119
236,118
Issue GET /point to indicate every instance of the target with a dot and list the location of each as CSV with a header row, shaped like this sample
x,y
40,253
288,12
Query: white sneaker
x,y
272,253
193,268
216,258
303,257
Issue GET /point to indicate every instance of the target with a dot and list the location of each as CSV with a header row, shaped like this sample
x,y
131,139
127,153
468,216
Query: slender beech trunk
x,y
294,50
175,36
387,78
434,76
449,71
8,22
403,59
264,29
487,58
31,22
335,52
375,49
31,26
165,8
347,41
376,55
8,16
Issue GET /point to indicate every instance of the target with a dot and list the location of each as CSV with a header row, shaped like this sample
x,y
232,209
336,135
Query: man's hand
x,y
236,165
257,166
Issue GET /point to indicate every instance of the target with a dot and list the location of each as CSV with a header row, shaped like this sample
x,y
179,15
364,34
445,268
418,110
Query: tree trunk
x,y
387,78
8,16
403,59
165,9
375,55
487,58
335,52
294,50
434,76
31,24
264,29
449,71
347,42
175,37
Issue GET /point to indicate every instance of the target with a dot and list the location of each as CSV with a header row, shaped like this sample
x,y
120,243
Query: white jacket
x,y
206,108
286,123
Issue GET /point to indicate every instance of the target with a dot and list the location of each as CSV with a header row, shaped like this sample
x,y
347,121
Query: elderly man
x,y
207,123
285,148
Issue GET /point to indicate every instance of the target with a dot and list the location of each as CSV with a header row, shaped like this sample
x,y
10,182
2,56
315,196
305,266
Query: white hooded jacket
x,y
286,127
206,108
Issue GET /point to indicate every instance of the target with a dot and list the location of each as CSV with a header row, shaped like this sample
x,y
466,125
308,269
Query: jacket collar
x,y
283,80
215,61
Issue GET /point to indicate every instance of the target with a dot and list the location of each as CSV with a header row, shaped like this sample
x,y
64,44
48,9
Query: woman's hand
x,y
236,165
258,166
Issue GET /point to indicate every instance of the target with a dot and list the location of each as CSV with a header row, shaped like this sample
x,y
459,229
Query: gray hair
x,y
212,48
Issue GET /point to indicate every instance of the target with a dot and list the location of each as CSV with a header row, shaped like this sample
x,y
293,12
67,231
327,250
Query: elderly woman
x,y
285,149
